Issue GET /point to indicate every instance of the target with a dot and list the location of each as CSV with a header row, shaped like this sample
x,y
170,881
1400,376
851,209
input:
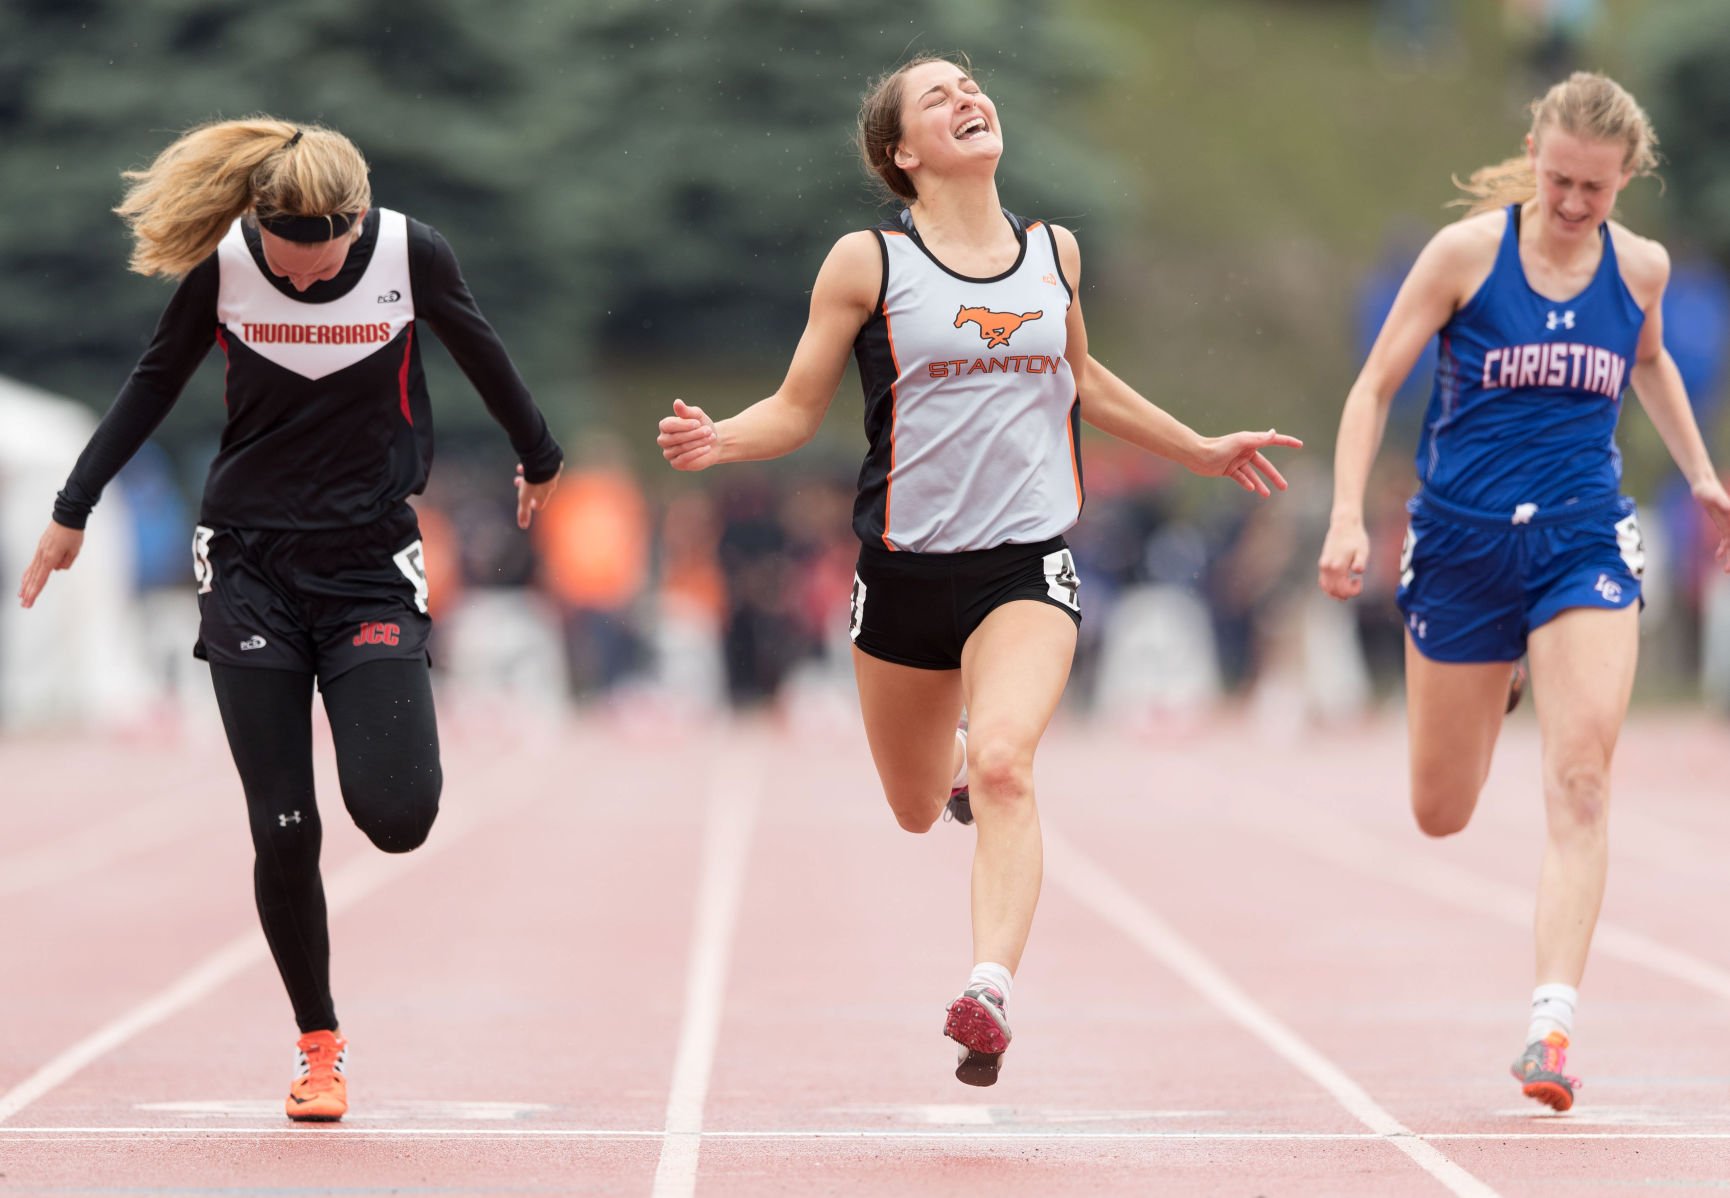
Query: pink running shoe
x,y
1539,1072
977,1023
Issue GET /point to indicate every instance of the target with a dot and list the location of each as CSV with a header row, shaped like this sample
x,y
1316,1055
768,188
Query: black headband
x,y
307,228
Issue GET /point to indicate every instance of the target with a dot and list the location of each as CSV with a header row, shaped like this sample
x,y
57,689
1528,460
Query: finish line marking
x,y
555,1133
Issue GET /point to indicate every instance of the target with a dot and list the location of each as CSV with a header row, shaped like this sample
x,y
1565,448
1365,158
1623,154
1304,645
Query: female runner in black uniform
x,y
307,555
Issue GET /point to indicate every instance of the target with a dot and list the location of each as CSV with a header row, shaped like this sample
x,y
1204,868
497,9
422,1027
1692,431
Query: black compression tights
x,y
387,759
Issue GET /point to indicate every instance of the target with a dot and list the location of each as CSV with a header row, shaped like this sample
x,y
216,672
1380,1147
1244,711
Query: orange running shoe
x,y
1539,1072
319,1093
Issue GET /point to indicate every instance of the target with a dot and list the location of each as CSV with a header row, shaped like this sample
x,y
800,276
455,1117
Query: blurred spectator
x,y
1129,499
1295,647
161,520
690,606
593,541
1380,631
1697,334
474,493
441,558
1400,248
817,513
758,574
1256,568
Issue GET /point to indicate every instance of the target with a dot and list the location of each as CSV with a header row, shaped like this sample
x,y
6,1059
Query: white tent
x,y
77,656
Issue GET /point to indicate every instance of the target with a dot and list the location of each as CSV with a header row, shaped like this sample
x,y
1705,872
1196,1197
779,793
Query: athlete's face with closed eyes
x,y
947,122
1578,179
304,263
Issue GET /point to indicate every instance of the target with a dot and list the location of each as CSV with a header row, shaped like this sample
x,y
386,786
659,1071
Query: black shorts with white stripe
x,y
918,609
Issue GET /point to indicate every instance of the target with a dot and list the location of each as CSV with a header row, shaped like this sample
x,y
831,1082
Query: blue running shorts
x,y
1473,585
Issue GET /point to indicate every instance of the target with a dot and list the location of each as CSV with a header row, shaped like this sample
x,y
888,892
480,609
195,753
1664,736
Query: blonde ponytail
x,y
1510,181
179,207
1589,106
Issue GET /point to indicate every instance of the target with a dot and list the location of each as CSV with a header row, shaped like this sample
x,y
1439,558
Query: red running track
x,y
629,965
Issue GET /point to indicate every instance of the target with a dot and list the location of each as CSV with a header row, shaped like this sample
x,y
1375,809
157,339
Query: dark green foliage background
x,y
641,191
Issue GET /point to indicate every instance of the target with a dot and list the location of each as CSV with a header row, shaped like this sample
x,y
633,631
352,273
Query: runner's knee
x,y
916,821
397,812
999,771
1578,795
1442,807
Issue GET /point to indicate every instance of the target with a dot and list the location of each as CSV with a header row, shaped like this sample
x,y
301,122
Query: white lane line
x,y
721,883
1094,886
136,829
343,889
1339,840
556,1133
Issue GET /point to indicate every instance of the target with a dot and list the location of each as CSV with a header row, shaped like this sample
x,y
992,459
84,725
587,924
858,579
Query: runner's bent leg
x,y
387,750
910,716
1013,671
1454,713
267,715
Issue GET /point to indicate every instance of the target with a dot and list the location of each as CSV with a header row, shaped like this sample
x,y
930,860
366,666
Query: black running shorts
x,y
918,609
315,602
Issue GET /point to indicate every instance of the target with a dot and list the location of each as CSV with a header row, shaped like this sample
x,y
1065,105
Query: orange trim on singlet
x,y
894,397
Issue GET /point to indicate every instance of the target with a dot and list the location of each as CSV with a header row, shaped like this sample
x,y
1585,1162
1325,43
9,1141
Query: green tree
x,y
431,94
1684,60
716,141
630,178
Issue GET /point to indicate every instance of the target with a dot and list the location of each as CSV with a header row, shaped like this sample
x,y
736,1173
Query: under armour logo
x,y
1564,321
291,818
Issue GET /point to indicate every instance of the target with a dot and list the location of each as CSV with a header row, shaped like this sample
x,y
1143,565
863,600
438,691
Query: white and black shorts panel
x,y
315,602
918,609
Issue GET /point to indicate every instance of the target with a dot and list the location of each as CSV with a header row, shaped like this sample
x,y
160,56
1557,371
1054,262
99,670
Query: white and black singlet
x,y
973,472
970,404
329,423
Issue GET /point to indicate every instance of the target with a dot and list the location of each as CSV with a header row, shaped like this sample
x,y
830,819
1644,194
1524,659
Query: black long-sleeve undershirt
x,y
188,327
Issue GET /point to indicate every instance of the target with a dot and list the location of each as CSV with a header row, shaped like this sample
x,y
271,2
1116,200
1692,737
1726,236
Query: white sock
x,y
990,973
1552,1011
960,778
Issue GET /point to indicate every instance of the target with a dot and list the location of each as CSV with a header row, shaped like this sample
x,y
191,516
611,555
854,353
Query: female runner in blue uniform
x,y
969,336
1520,541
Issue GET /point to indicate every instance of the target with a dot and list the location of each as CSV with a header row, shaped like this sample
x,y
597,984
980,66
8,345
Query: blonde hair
x,y
1585,104
880,123
180,206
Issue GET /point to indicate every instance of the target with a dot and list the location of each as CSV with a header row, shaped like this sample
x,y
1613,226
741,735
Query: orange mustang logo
x,y
996,328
